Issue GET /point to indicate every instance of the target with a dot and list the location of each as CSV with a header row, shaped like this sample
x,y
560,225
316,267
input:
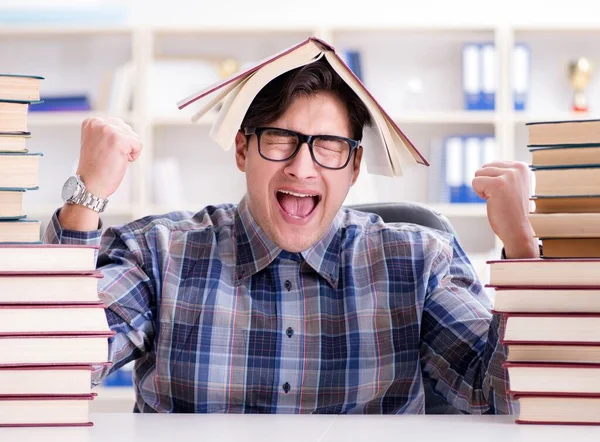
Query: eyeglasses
x,y
328,151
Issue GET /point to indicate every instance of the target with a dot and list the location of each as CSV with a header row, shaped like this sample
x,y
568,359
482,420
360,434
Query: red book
x,y
49,287
39,319
47,258
546,299
86,349
389,148
552,352
545,272
582,329
45,411
559,409
46,380
532,378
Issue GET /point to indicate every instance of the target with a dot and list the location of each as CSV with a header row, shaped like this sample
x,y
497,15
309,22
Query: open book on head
x,y
389,149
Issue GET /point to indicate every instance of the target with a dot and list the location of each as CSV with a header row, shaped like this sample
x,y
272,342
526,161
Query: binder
x,y
489,76
472,147
471,76
453,170
521,73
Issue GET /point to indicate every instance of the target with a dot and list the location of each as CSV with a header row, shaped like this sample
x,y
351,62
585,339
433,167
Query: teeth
x,y
300,195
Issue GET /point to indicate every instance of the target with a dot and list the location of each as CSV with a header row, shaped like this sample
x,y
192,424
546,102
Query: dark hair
x,y
275,98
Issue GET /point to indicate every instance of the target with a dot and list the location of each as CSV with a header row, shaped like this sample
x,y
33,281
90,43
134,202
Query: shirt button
x,y
289,332
286,387
288,285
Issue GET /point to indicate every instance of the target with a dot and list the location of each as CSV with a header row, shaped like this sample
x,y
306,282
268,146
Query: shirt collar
x,y
255,250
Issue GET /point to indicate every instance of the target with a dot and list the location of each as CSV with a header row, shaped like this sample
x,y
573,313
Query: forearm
x,y
78,218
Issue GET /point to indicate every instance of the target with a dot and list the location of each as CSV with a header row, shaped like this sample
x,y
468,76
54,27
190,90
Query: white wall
x,y
351,12
369,13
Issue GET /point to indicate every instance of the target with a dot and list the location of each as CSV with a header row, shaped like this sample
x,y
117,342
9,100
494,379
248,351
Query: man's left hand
x,y
505,187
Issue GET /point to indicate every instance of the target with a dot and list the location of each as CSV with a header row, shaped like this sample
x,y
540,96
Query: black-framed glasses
x,y
328,151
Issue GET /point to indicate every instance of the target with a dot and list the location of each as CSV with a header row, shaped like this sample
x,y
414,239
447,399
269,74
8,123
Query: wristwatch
x,y
75,192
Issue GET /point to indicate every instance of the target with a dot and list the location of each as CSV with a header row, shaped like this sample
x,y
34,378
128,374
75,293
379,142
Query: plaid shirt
x,y
219,319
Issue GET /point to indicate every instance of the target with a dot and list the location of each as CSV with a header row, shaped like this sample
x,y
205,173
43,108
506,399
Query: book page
x,y
224,133
381,157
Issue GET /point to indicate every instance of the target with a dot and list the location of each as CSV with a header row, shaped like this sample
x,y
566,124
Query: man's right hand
x,y
107,147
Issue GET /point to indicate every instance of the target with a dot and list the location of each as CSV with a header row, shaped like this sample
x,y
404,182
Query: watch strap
x,y
91,201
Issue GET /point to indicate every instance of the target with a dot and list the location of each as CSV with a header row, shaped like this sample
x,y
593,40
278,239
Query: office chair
x,y
408,212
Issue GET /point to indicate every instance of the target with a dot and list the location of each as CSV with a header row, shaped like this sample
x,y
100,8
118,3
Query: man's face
x,y
276,189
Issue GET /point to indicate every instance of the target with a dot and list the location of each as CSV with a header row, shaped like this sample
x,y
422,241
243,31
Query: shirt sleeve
x,y
126,289
460,349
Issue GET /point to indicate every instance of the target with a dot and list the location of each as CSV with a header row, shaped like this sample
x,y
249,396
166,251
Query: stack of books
x,y
53,328
551,305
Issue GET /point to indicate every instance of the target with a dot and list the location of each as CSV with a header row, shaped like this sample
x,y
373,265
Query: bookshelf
x,y
414,70
428,55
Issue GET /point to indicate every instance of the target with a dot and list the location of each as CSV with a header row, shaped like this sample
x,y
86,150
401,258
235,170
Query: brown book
x,y
561,409
565,133
567,181
566,204
551,352
559,328
14,141
550,299
20,231
545,272
20,87
553,378
89,349
565,155
13,116
45,411
11,203
565,225
49,288
50,380
571,247
38,319
47,258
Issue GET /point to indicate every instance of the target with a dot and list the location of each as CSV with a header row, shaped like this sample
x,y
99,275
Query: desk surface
x,y
263,428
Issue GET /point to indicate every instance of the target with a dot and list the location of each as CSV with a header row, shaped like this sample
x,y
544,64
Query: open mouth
x,y
297,205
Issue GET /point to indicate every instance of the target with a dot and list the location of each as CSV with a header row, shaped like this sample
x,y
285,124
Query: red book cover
x,y
34,274
517,395
325,47
51,398
544,260
542,287
100,334
549,365
46,246
77,366
46,306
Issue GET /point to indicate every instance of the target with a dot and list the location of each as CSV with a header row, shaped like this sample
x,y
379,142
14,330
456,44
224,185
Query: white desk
x,y
113,427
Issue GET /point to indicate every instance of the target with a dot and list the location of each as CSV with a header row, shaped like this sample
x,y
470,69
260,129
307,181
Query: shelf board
x,y
67,118
408,117
523,118
182,120
446,117
460,210
114,394
60,30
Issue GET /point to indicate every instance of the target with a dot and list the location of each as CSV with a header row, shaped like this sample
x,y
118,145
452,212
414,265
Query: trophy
x,y
580,72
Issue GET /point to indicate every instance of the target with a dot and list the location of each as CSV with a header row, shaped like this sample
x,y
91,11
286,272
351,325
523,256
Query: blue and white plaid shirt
x,y
219,319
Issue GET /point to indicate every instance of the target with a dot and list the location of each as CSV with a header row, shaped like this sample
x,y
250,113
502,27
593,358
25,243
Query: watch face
x,y
69,188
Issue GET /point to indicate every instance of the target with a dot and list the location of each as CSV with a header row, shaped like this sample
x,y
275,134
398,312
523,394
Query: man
x,y
287,303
